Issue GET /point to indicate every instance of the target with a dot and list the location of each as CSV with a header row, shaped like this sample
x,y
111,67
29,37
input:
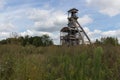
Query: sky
x,y
99,18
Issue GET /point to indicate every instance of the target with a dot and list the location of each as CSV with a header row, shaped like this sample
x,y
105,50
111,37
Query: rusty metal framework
x,y
74,34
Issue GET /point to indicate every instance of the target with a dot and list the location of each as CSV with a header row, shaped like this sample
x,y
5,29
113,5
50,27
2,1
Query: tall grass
x,y
59,63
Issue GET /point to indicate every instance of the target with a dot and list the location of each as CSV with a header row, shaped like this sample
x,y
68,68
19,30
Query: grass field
x,y
59,63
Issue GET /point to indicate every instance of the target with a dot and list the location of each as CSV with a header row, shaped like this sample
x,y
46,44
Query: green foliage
x,y
37,41
3,42
59,63
108,41
97,64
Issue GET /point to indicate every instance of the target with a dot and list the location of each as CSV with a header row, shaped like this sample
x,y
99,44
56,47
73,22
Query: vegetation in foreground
x,y
59,62
35,58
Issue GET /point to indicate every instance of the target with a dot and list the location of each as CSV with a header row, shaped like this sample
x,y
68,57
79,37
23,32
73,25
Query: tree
x,y
110,41
97,42
46,40
37,41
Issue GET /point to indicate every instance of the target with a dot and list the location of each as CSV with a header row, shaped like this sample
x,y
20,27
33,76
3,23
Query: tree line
x,y
45,40
107,41
37,41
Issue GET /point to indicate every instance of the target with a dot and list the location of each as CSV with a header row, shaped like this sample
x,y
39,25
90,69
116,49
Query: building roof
x,y
65,29
74,10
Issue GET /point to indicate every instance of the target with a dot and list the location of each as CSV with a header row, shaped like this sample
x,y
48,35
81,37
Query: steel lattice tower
x,y
74,34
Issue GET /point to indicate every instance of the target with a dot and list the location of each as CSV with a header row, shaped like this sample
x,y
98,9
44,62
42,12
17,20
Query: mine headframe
x,y
73,34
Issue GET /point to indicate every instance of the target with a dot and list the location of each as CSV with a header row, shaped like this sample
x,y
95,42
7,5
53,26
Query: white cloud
x,y
55,36
93,35
6,27
6,30
34,33
4,35
114,33
52,20
85,20
47,20
2,4
107,7
97,34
